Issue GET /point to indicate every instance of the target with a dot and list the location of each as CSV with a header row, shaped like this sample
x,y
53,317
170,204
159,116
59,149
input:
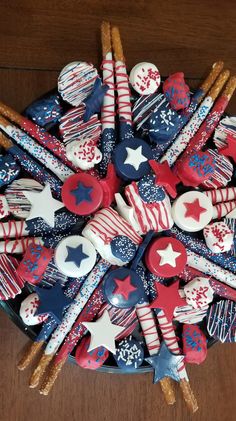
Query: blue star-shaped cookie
x,y
82,193
165,364
75,255
53,301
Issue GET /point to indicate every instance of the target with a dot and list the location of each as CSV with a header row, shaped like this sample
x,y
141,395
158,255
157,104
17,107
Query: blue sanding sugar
x,y
123,248
149,191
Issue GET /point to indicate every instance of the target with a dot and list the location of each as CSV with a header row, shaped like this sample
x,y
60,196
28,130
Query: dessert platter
x,y
118,209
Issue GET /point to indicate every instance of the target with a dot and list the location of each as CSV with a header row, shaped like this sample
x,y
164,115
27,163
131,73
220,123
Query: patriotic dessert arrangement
x,y
118,209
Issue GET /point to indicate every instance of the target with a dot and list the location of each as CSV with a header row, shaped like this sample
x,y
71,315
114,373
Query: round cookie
x,y
166,257
192,211
82,194
129,354
123,288
145,78
75,256
28,309
131,159
76,82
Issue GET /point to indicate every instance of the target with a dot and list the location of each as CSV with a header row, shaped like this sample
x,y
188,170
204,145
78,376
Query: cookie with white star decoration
x,y
192,211
75,256
103,333
166,257
43,205
131,159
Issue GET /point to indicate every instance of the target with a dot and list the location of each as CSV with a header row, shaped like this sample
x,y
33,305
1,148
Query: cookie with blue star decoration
x,y
82,194
165,364
75,256
52,301
131,159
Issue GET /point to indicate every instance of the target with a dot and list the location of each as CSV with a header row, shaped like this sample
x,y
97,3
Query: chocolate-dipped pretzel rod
x,y
149,329
206,266
19,245
122,86
87,289
40,134
57,167
186,114
221,195
169,336
31,166
121,317
48,327
108,137
200,138
182,140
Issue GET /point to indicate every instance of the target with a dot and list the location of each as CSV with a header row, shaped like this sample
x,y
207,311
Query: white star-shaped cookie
x,y
135,157
103,333
168,256
43,205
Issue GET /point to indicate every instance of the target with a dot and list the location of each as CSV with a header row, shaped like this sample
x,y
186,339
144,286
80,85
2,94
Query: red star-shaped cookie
x,y
110,185
165,177
194,210
168,299
124,287
230,149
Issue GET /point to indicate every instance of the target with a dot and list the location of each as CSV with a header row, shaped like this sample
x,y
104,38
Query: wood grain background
x,y
37,38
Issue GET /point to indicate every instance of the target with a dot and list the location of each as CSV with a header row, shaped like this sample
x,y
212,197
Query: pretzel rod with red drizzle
x,y
108,137
122,86
149,329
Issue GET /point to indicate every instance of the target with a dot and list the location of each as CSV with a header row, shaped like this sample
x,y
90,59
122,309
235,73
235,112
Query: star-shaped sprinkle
x,y
230,149
43,205
165,177
165,364
194,210
135,157
103,333
82,193
94,101
76,255
53,301
124,287
167,299
168,256
110,185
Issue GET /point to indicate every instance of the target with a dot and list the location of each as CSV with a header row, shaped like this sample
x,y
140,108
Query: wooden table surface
x,y
37,38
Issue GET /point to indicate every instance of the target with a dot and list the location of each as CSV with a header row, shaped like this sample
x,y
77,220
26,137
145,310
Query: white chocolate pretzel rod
x,y
122,85
37,151
170,339
221,195
40,134
73,311
108,136
19,245
206,266
182,140
149,329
